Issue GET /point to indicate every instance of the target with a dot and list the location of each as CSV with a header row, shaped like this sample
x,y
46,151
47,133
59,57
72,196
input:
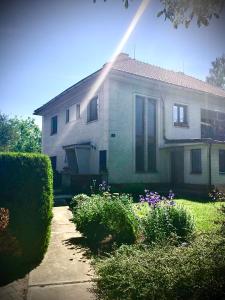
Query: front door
x,y
177,165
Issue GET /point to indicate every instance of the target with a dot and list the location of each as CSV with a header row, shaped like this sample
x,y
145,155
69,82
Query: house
x,y
143,124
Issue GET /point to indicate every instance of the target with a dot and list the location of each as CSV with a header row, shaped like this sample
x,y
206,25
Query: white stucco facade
x,y
114,130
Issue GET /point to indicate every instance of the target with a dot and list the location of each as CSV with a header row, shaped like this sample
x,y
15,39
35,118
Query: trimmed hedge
x,y
26,189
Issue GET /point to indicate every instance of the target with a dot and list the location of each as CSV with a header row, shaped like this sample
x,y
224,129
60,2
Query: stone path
x,y
65,272
15,290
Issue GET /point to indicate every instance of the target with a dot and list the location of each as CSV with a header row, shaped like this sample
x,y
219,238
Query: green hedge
x,y
194,272
26,189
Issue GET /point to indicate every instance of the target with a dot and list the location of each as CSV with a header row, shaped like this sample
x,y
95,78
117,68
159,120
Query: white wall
x,y
122,91
76,131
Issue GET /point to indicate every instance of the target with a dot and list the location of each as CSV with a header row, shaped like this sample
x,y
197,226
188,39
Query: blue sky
x,y
46,46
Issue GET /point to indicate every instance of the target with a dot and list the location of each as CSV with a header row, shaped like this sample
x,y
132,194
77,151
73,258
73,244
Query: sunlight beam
x,y
106,69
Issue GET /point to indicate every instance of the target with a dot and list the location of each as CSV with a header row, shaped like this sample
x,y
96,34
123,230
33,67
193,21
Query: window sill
x,y
222,173
181,125
146,172
93,121
53,133
196,173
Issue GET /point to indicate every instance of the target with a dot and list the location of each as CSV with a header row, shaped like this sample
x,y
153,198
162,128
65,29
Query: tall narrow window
x,y
180,115
151,126
102,161
145,134
140,135
196,161
222,161
67,115
54,125
78,111
92,110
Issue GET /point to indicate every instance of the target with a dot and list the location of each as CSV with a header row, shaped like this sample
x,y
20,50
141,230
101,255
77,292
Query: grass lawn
x,y
205,214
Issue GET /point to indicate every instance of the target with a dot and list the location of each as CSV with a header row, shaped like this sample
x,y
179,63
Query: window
x,y
145,135
77,111
180,115
212,124
54,122
196,161
92,110
67,115
222,161
53,162
102,161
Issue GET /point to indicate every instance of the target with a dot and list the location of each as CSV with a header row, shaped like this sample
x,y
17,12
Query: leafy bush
x,y
216,195
164,222
164,272
106,215
78,199
26,191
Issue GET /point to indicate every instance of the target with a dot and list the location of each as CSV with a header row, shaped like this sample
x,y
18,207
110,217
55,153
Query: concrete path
x,y
65,272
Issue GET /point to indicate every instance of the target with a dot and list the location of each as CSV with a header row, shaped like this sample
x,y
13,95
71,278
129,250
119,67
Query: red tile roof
x,y
126,64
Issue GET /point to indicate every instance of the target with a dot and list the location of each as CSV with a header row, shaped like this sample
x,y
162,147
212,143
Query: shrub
x,y
106,215
216,195
164,222
78,199
164,272
26,191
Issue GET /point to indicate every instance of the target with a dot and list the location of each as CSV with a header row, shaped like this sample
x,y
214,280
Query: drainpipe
x,y
164,125
210,165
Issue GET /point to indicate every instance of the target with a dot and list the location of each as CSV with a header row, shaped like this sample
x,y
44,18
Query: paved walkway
x,y
15,290
65,272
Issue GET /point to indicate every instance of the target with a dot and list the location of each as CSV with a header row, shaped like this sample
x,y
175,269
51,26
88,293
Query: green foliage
x,y
26,191
164,272
106,215
217,72
19,135
7,133
165,222
216,195
78,199
184,11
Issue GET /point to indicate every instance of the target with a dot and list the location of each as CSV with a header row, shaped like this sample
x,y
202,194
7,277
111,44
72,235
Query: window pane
x,y
93,110
54,125
175,114
151,118
102,160
77,111
139,132
181,108
67,115
196,163
222,161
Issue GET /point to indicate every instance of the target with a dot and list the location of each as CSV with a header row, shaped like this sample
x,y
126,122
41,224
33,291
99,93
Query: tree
x,y
217,72
184,11
7,133
19,135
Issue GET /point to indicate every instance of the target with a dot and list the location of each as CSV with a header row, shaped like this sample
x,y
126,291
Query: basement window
x,y
222,161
